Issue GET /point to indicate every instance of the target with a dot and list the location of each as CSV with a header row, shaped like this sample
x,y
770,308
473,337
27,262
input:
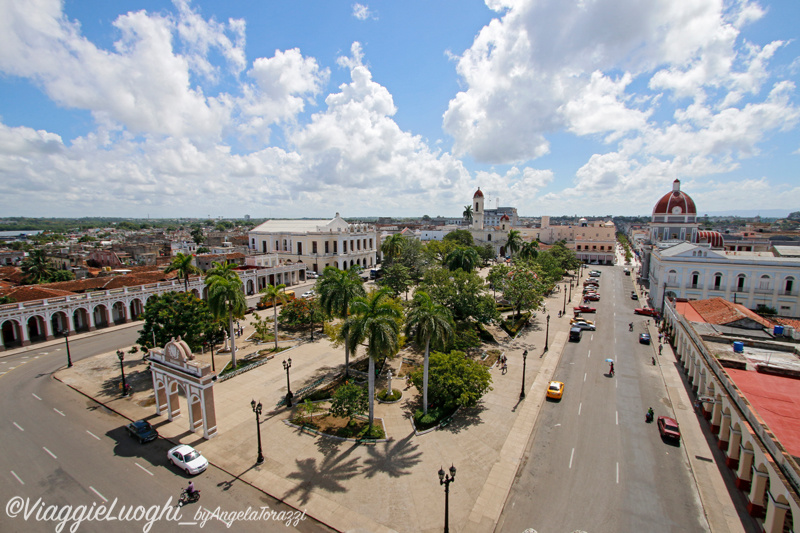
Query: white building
x,y
317,243
699,272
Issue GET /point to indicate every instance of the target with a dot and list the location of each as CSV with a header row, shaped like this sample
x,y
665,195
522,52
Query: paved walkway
x,y
389,486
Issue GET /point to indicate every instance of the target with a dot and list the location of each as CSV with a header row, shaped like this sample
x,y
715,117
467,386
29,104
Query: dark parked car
x,y
634,296
592,297
668,428
644,338
142,430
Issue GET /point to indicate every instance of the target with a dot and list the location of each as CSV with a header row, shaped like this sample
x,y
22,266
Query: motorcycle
x,y
187,497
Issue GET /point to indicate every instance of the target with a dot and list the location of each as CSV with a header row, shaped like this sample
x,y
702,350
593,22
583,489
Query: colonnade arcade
x,y
771,497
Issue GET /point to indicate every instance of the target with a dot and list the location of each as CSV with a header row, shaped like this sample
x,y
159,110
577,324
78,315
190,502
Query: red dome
x,y
714,238
504,217
478,194
675,202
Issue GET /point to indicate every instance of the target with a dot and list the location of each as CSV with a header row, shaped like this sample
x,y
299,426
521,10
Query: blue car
x,y
142,430
644,338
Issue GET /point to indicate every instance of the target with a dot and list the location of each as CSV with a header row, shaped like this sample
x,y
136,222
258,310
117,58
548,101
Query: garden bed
x,y
329,425
436,417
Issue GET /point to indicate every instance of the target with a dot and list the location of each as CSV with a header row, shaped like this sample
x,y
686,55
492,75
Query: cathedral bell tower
x,y
477,210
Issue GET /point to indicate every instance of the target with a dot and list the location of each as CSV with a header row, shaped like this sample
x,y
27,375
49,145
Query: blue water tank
x,y
778,330
738,346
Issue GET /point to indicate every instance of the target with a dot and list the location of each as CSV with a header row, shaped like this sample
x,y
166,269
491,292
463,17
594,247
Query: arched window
x,y
672,277
717,281
764,282
695,279
740,281
788,285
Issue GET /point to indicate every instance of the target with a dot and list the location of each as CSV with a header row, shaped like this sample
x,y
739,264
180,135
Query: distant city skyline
x,y
286,110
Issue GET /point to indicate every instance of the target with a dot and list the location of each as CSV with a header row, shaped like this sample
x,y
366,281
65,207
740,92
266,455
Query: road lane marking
x,y
51,453
92,434
18,427
584,376
571,456
590,354
617,417
17,478
59,412
143,468
95,491
34,395
617,473
592,337
579,408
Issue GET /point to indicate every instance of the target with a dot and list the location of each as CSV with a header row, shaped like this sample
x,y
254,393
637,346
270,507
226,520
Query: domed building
x,y
674,217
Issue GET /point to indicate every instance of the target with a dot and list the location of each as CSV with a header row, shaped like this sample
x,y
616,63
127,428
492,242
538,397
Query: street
x,y
69,451
593,464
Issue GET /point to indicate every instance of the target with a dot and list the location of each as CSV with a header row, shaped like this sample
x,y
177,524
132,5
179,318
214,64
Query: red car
x,y
668,428
592,297
584,309
645,311
591,282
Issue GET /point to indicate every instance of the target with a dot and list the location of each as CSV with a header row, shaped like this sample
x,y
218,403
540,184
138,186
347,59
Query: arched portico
x,y
80,320
136,308
118,315
100,317
37,330
11,333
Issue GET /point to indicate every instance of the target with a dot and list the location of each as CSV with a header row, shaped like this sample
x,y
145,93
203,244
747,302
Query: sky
x,y
307,108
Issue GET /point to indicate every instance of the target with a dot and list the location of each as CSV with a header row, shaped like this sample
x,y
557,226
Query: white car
x,y
583,325
187,459
308,294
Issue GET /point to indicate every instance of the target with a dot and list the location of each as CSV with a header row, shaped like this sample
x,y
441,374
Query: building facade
x,y
697,272
318,243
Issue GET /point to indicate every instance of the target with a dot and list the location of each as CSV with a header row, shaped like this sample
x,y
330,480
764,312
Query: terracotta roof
x,y
478,193
714,238
722,312
12,274
25,293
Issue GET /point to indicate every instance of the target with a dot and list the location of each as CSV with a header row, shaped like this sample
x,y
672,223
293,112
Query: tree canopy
x,y
174,314
454,380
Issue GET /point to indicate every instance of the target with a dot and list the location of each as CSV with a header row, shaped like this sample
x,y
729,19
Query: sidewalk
x,y
389,486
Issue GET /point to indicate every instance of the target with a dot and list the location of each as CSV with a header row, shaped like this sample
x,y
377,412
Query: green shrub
x,y
386,396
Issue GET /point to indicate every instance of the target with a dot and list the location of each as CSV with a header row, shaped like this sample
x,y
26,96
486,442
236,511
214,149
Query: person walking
x,y
505,367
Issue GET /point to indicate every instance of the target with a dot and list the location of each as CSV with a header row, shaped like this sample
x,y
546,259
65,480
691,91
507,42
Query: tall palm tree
x,y
36,267
226,297
374,319
468,213
275,294
182,264
529,250
428,321
392,246
513,242
464,258
336,290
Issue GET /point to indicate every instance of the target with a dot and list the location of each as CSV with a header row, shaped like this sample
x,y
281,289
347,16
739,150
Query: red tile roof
x,y
26,293
722,312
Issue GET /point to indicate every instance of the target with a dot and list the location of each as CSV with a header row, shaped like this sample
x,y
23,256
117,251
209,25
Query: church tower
x,y
477,210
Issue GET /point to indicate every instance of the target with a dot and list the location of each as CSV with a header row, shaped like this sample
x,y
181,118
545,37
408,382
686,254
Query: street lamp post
x,y
564,310
524,361
257,411
66,340
547,334
445,480
286,366
570,293
121,356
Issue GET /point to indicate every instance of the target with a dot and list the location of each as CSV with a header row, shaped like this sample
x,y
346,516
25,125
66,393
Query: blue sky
x,y
308,108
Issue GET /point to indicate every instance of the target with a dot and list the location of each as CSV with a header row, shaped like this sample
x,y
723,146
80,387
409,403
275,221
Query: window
x,y
344,247
788,285
277,246
695,279
327,247
264,246
672,277
578,247
313,247
370,244
763,283
740,282
335,247
489,237
299,248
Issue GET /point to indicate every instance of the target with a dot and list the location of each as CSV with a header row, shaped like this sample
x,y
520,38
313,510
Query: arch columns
x,y
743,472
734,449
724,432
776,515
756,497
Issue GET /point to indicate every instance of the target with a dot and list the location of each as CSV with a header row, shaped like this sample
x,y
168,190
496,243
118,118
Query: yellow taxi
x,y
580,319
555,390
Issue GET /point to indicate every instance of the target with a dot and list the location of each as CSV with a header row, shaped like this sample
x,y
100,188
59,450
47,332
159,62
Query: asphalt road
x,y
61,449
593,464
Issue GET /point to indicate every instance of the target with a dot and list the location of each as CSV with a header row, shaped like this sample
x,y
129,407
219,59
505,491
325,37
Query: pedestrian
x,y
660,338
505,367
660,347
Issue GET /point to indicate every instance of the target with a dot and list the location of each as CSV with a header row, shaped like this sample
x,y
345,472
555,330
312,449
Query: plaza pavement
x,y
392,485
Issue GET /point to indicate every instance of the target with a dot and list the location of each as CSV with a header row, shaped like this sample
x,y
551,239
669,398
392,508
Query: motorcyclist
x,y
190,489
650,415
630,326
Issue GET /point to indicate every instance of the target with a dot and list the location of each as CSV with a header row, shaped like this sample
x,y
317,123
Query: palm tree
x,y
529,250
428,321
226,297
36,267
274,294
336,290
514,242
182,264
464,258
468,213
392,246
376,321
